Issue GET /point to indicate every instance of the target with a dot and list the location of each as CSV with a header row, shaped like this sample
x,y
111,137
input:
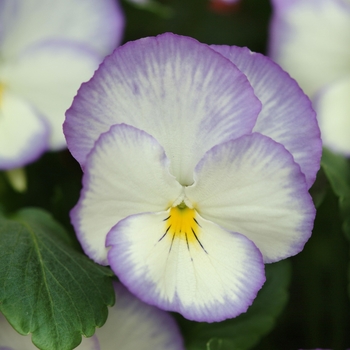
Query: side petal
x,y
132,324
333,112
127,172
205,273
310,40
178,90
98,24
48,76
23,133
286,116
253,186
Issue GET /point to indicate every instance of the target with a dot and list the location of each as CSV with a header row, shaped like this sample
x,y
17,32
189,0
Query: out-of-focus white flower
x,y
311,40
47,49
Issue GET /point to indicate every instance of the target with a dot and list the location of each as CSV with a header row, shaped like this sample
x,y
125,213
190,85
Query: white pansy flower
x,y
197,163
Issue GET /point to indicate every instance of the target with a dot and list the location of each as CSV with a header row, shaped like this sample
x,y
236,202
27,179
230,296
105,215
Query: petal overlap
x,y
209,279
127,173
286,115
253,186
178,90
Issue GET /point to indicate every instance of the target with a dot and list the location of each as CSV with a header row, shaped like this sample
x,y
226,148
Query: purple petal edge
x,y
98,84
291,121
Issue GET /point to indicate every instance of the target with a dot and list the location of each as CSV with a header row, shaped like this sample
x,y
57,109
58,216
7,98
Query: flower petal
x,y
333,111
23,133
206,273
178,90
298,34
98,24
286,116
132,324
126,173
253,186
48,76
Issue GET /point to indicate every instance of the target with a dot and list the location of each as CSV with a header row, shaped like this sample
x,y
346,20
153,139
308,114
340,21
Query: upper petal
x,y
253,186
48,76
199,270
126,173
178,90
132,324
333,112
286,116
98,24
23,133
310,39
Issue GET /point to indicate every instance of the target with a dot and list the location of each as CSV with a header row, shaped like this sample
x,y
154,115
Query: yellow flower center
x,y
182,224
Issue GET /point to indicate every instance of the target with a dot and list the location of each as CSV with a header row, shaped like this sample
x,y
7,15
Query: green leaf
x,y
46,287
217,344
337,170
244,331
155,7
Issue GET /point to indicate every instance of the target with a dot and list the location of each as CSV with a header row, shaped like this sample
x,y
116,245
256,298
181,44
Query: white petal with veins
x,y
192,266
127,173
253,186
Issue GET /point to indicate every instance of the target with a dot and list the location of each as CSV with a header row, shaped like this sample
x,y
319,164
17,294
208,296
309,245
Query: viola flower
x,y
131,324
197,162
47,49
310,39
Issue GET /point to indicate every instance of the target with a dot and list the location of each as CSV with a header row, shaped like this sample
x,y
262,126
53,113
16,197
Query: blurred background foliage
x,y
305,303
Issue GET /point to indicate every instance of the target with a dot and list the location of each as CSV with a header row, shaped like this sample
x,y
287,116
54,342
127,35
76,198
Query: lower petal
x,y
23,134
203,271
333,111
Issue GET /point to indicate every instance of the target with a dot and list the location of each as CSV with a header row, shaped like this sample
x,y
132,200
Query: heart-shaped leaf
x,y
47,288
